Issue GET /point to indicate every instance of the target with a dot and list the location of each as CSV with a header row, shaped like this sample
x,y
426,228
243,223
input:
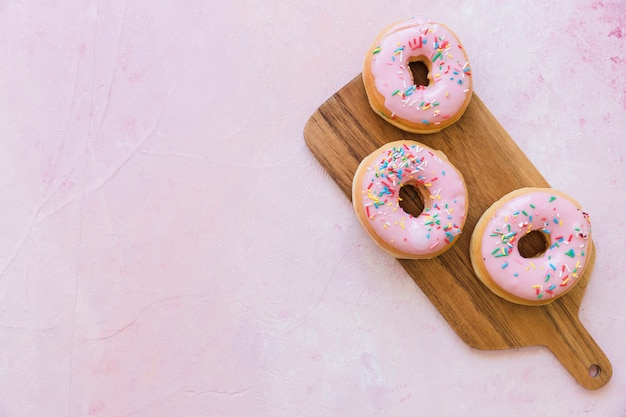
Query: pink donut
x,y
546,276
376,200
389,83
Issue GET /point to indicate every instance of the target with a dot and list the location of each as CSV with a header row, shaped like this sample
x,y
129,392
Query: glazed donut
x,y
376,200
546,276
389,83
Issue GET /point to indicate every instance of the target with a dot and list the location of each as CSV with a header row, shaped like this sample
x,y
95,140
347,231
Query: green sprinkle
x,y
570,253
552,198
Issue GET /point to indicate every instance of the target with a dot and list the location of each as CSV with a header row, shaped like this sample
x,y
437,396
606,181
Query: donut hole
x,y
419,71
533,244
412,199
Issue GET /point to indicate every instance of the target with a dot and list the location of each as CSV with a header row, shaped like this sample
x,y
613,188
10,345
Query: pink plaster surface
x,y
169,246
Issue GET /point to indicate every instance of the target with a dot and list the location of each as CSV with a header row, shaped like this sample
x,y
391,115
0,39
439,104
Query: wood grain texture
x,y
345,129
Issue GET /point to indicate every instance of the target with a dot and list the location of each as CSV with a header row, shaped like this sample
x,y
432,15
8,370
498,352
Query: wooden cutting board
x,y
345,129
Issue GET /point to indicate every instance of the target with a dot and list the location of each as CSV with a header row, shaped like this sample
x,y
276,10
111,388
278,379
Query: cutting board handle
x,y
580,354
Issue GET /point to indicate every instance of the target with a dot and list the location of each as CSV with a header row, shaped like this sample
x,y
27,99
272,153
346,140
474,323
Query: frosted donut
x,y
543,278
376,199
389,83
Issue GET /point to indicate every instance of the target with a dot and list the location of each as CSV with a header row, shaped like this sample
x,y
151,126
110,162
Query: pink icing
x,y
565,227
444,211
450,72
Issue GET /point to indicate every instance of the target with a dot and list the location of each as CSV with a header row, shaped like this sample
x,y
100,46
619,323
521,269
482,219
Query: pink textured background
x,y
169,246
